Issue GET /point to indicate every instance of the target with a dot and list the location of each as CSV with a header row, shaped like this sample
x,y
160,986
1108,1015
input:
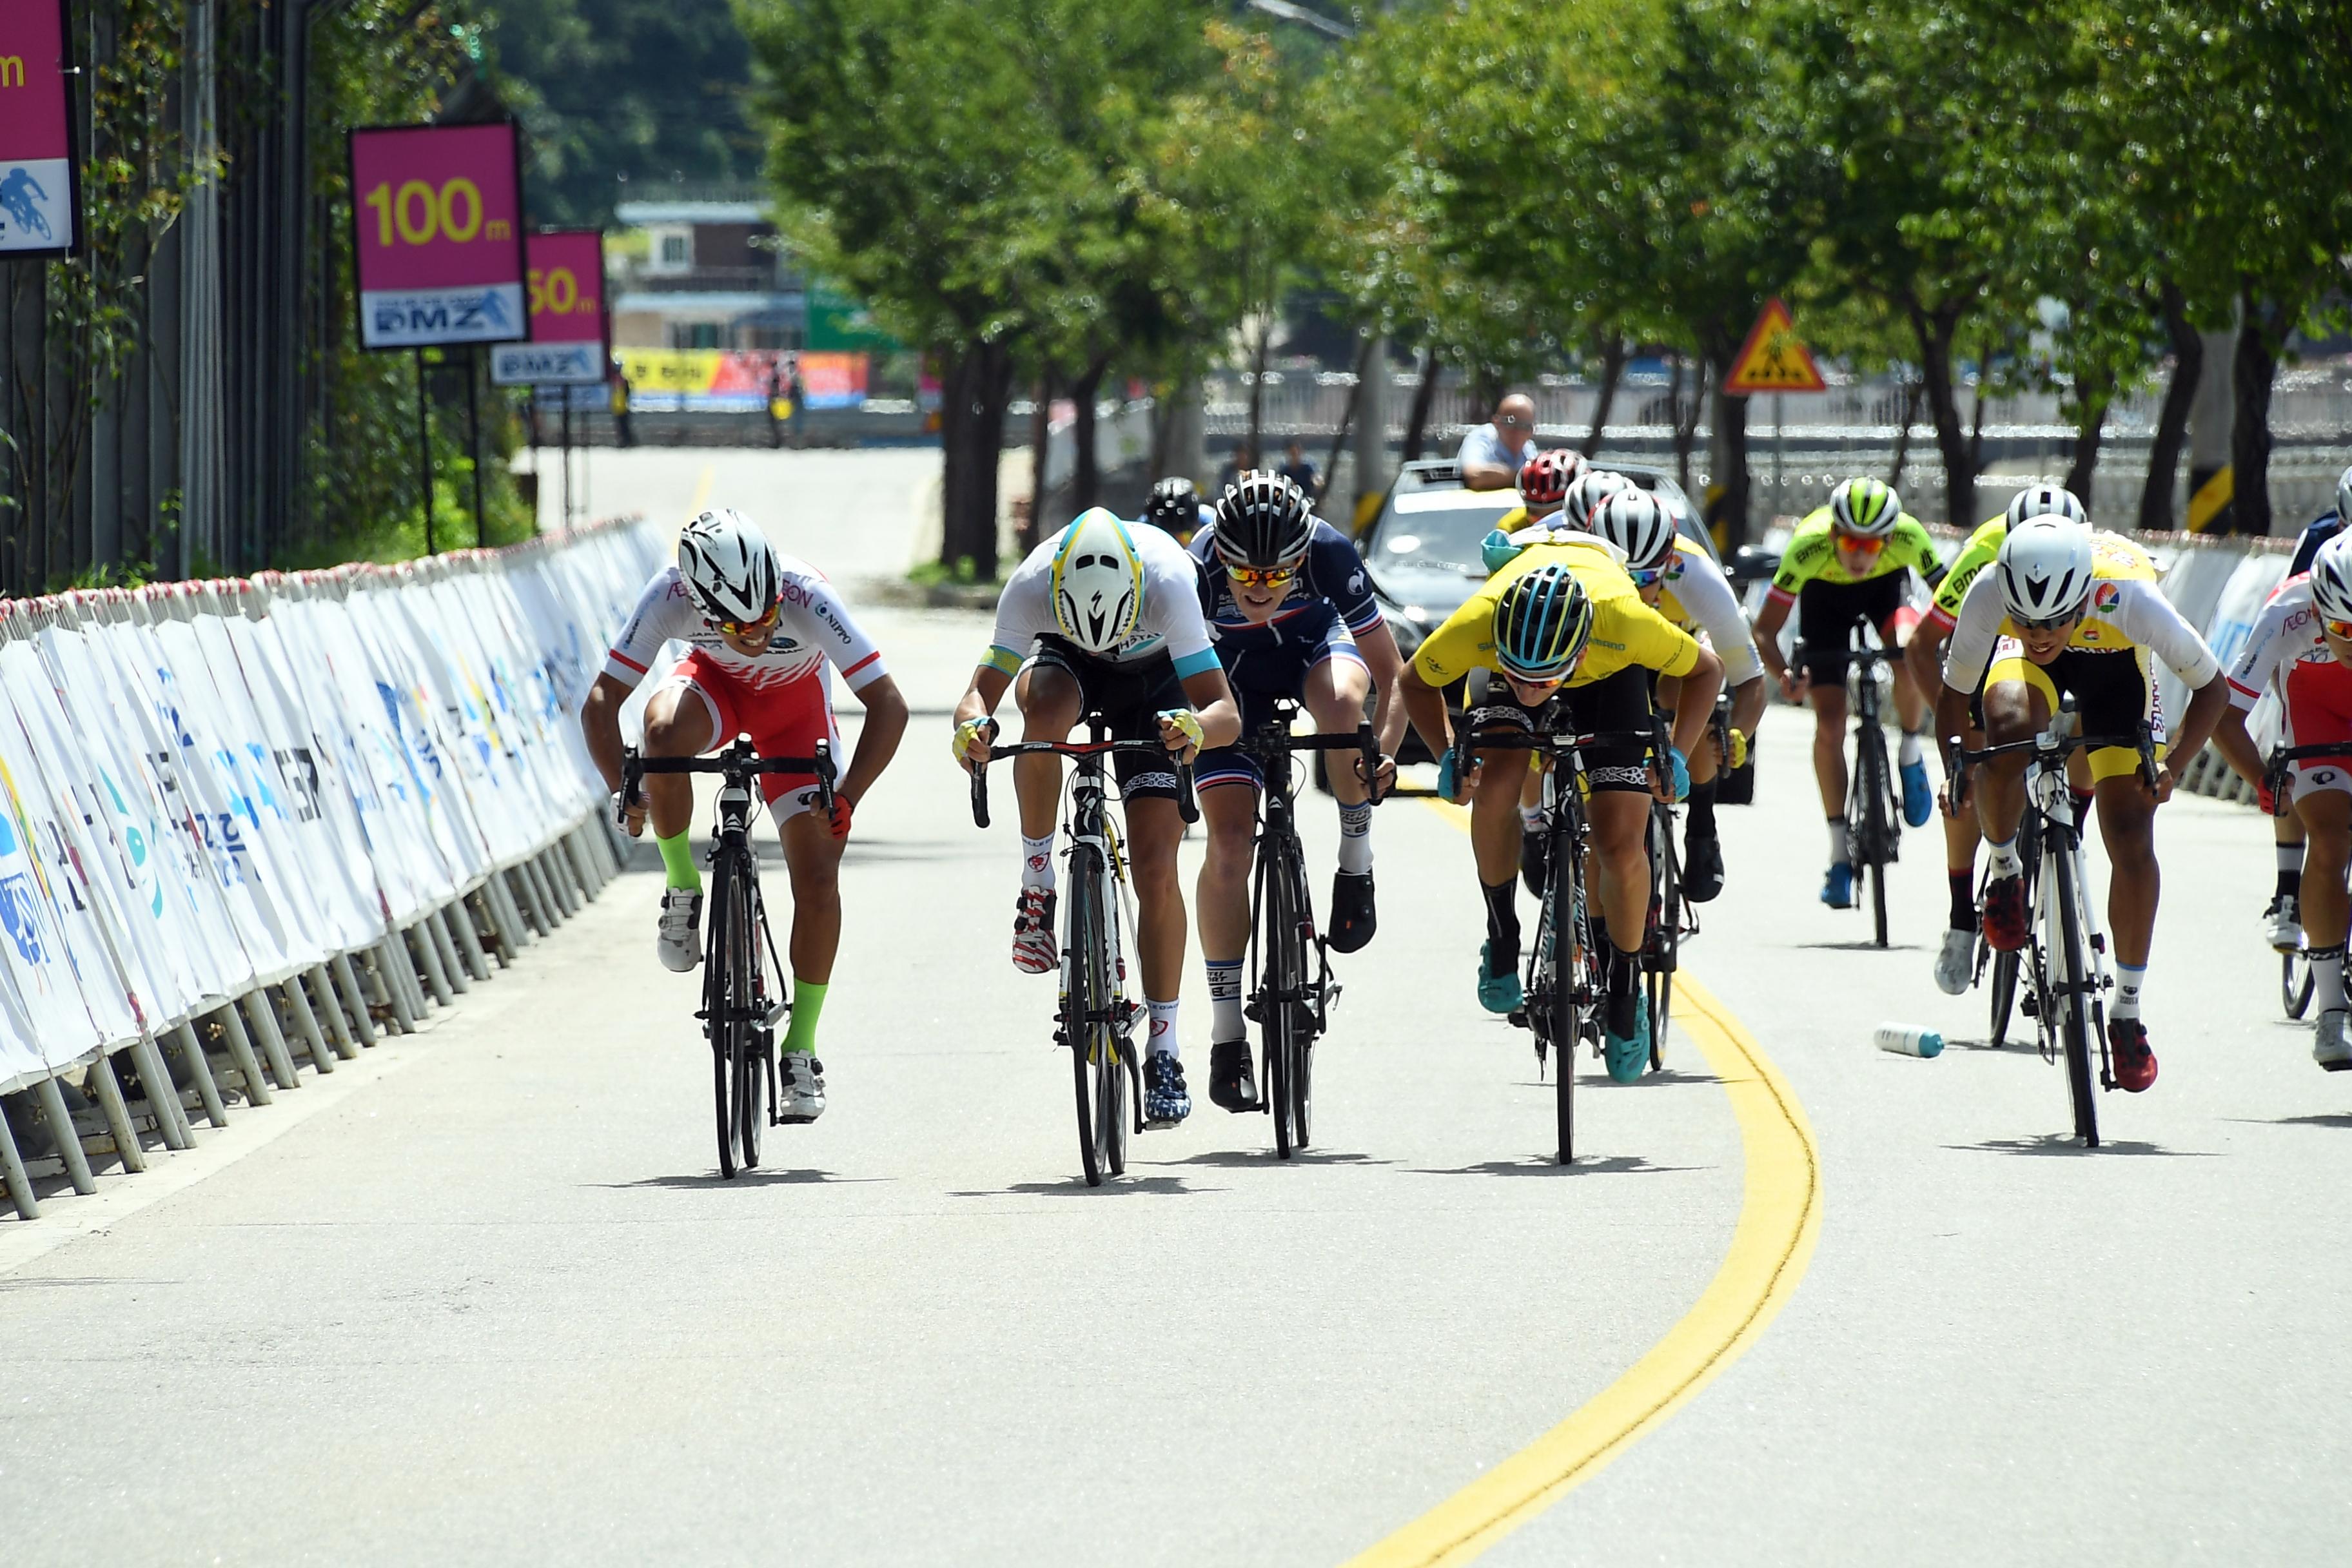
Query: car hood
x,y
1437,592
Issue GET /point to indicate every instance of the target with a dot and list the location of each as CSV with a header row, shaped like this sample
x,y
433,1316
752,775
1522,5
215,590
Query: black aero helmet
x,y
1174,506
1263,521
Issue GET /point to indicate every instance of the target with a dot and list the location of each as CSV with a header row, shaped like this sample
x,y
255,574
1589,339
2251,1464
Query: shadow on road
x,y
1241,1159
2335,1119
1545,1165
2057,1143
1076,1187
1604,1084
1860,946
758,1178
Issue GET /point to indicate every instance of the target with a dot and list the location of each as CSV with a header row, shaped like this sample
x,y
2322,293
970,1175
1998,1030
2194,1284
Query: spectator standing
x,y
796,395
779,399
1300,470
1492,454
1244,459
622,389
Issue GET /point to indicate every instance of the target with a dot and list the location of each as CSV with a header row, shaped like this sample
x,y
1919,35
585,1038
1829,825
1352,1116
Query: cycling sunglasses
x,y
1261,577
2046,623
745,629
1650,576
2335,628
1859,545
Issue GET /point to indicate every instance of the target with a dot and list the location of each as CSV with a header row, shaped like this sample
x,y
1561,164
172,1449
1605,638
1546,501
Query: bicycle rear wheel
x,y
1115,1090
1663,950
2004,996
2071,986
1083,1001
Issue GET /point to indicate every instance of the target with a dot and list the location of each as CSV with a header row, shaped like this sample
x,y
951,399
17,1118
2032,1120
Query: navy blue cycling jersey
x,y
1333,573
2327,527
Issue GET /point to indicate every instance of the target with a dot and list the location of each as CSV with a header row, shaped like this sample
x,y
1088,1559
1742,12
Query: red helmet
x,y
1544,478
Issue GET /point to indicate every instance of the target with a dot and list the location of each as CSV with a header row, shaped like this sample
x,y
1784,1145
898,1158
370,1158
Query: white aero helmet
x,y
1637,523
2344,496
2047,500
1866,509
2046,571
1097,582
730,572
1588,490
2331,579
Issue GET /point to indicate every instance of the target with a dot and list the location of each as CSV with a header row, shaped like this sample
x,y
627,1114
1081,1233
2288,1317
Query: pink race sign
x,y
566,289
437,218
38,210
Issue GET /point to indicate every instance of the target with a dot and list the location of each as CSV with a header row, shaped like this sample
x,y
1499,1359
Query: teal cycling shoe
x,y
1837,887
1628,1056
1498,992
1919,800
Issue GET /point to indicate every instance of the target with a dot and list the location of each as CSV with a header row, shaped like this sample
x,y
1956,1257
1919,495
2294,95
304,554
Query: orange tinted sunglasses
x,y
1261,577
2337,628
745,629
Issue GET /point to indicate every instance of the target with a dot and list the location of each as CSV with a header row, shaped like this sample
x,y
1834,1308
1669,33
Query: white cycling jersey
x,y
813,630
2124,615
2284,634
1169,620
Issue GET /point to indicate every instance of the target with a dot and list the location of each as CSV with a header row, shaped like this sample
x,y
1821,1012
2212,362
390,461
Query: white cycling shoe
x,y
2282,922
800,1087
1956,965
678,939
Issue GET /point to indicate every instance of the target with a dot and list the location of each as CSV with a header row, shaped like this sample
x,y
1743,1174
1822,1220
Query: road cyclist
x,y
1563,619
1851,560
2282,916
1545,480
1290,606
1175,506
1956,958
762,630
1104,619
2301,648
2048,620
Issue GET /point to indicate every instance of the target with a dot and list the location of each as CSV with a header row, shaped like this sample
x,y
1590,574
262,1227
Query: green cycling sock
x,y
808,1004
677,856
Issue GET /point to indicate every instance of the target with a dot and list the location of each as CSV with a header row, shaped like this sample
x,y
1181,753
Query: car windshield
x,y
1438,540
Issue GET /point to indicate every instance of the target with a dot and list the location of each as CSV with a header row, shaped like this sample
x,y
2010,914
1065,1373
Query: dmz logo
x,y
449,313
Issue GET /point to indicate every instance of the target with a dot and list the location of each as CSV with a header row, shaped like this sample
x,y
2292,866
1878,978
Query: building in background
x,y
704,268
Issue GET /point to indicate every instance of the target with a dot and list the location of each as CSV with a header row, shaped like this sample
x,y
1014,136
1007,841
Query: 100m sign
x,y
417,214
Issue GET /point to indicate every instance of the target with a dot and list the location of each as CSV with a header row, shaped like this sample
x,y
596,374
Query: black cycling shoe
x,y
1702,866
1233,1081
1353,919
1535,858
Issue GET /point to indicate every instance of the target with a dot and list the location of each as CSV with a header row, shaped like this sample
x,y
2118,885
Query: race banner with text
x,y
736,381
436,220
40,201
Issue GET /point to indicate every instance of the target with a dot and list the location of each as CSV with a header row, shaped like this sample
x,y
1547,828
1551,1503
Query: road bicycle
x,y
1874,808
1565,986
2064,962
1671,918
744,993
2296,981
1291,990
1095,1016
2003,967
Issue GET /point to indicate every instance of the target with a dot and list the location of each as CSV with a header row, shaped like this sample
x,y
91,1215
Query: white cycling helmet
x,y
730,572
2344,496
2331,578
1588,490
2047,500
1866,509
1098,584
1635,522
2046,571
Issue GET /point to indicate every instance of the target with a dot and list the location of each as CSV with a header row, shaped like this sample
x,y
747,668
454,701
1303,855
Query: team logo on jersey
x,y
2106,597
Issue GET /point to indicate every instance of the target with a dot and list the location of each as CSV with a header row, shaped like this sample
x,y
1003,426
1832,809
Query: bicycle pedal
x,y
1518,1020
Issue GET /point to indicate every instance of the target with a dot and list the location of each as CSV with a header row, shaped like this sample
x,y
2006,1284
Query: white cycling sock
x,y
2290,856
1908,752
1163,1029
2128,982
1841,852
2004,861
1225,1020
2328,977
1037,862
1531,819
1356,838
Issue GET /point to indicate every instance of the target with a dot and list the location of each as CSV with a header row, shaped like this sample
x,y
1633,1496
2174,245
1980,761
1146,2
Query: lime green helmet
x,y
1865,509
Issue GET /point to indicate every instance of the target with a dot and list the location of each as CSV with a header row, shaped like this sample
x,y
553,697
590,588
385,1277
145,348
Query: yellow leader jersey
x,y
1626,633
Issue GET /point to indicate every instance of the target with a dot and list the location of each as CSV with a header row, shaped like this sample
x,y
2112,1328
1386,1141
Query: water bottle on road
x,y
1906,1040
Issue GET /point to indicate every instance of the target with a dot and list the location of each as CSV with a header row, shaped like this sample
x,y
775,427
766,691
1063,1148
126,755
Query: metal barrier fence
x,y
252,821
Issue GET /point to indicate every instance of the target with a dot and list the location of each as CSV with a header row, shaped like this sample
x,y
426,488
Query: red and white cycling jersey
x,y
2285,635
813,631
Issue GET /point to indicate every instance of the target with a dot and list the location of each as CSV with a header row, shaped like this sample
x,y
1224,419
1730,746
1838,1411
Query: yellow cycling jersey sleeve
x,y
1625,631
1980,550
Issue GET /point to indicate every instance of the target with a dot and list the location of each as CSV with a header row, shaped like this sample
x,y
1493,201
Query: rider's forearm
x,y
2237,747
1951,719
878,738
986,691
1424,705
2197,724
1696,705
599,726
1383,662
1924,656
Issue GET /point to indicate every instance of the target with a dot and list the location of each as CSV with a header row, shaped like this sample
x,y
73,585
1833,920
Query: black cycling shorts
x,y
1129,696
1617,706
1825,616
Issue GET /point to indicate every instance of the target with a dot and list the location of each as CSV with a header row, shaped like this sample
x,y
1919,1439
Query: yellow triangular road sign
x,y
1773,359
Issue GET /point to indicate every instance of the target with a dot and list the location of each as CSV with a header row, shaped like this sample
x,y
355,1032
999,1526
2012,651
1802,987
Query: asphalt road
x,y
487,1301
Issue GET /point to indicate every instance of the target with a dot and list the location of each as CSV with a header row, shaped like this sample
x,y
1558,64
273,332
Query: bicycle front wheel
x,y
1084,1000
2072,996
1876,829
1663,950
745,1035
2004,996
1283,1023
1565,960
718,997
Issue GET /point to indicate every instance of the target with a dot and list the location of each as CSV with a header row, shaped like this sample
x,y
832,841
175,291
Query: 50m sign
x,y
436,223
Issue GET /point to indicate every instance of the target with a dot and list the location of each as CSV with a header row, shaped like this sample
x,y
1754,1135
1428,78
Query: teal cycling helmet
x,y
1542,622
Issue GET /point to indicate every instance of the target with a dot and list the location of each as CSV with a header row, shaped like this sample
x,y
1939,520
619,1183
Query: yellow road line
x,y
1779,1220
701,500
